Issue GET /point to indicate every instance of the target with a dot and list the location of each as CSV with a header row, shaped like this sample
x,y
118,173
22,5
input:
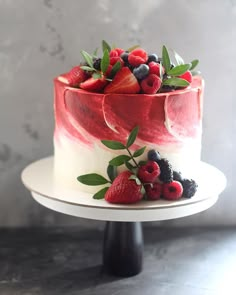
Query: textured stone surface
x,y
61,261
40,39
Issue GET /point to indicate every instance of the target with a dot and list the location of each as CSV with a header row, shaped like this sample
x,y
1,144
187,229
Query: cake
x,y
128,92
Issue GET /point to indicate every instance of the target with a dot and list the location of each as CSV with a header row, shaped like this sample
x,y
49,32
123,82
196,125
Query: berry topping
x,y
153,191
124,190
152,57
187,76
124,82
124,56
141,71
149,172
155,68
74,77
172,190
137,57
95,85
177,176
166,174
189,187
151,84
153,155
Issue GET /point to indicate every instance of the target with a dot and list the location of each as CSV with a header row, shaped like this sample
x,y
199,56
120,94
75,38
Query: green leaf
x,y
92,179
97,75
101,194
115,69
137,180
132,137
86,68
88,58
179,70
105,61
105,46
139,152
143,190
129,166
111,172
178,58
141,163
119,160
196,73
194,63
165,58
113,145
132,48
95,52
178,82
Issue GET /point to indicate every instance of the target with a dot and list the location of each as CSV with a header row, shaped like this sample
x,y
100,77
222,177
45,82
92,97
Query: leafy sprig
x,y
123,159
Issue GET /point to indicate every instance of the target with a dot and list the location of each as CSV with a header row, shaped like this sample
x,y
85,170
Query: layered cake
x,y
126,114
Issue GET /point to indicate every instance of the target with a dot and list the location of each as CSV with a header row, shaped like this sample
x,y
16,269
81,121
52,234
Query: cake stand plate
x,y
123,234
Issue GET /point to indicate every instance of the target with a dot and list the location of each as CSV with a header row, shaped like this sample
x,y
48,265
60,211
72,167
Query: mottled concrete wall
x,y
40,39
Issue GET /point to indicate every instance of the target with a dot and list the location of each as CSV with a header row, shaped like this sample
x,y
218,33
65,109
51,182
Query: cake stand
x,y
123,240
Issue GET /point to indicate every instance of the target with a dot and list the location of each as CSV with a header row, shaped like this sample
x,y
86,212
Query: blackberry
x,y
97,64
177,176
124,56
189,188
166,171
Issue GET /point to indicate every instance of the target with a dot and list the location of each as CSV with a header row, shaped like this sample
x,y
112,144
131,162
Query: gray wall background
x,y
41,39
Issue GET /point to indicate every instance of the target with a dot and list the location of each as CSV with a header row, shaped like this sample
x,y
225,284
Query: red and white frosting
x,y
168,122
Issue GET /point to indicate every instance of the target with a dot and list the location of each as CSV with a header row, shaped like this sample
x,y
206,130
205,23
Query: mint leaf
x,y
178,58
119,160
194,63
143,190
165,58
137,180
195,73
178,82
101,194
92,179
105,61
88,58
95,52
141,163
132,137
129,166
105,46
97,75
115,69
132,48
111,172
139,152
179,70
86,68
113,145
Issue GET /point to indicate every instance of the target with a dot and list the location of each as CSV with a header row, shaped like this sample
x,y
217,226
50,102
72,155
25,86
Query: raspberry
x,y
172,190
154,68
189,187
137,57
166,174
187,76
149,172
116,52
151,84
153,191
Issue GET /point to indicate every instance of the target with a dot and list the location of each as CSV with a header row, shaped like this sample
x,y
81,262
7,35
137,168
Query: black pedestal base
x,y
123,248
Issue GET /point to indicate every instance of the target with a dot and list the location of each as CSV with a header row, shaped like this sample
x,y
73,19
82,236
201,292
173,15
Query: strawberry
x,y
149,172
124,82
137,57
151,84
187,76
115,59
124,190
154,68
172,190
153,191
74,77
95,85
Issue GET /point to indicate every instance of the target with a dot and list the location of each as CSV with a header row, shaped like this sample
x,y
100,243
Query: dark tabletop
x,y
192,261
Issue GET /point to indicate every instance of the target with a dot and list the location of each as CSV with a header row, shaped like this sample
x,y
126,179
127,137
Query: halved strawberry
x,y
95,85
124,82
74,77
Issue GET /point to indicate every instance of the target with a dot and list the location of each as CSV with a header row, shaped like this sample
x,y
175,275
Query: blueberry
x,y
152,57
124,56
141,71
177,176
153,156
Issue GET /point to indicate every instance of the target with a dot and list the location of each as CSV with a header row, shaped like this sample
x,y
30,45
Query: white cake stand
x,y
123,241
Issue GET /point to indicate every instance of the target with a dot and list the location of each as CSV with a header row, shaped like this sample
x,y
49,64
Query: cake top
x,y
130,71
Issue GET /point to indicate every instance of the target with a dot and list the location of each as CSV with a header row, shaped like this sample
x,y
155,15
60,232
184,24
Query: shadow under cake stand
x,y
123,239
